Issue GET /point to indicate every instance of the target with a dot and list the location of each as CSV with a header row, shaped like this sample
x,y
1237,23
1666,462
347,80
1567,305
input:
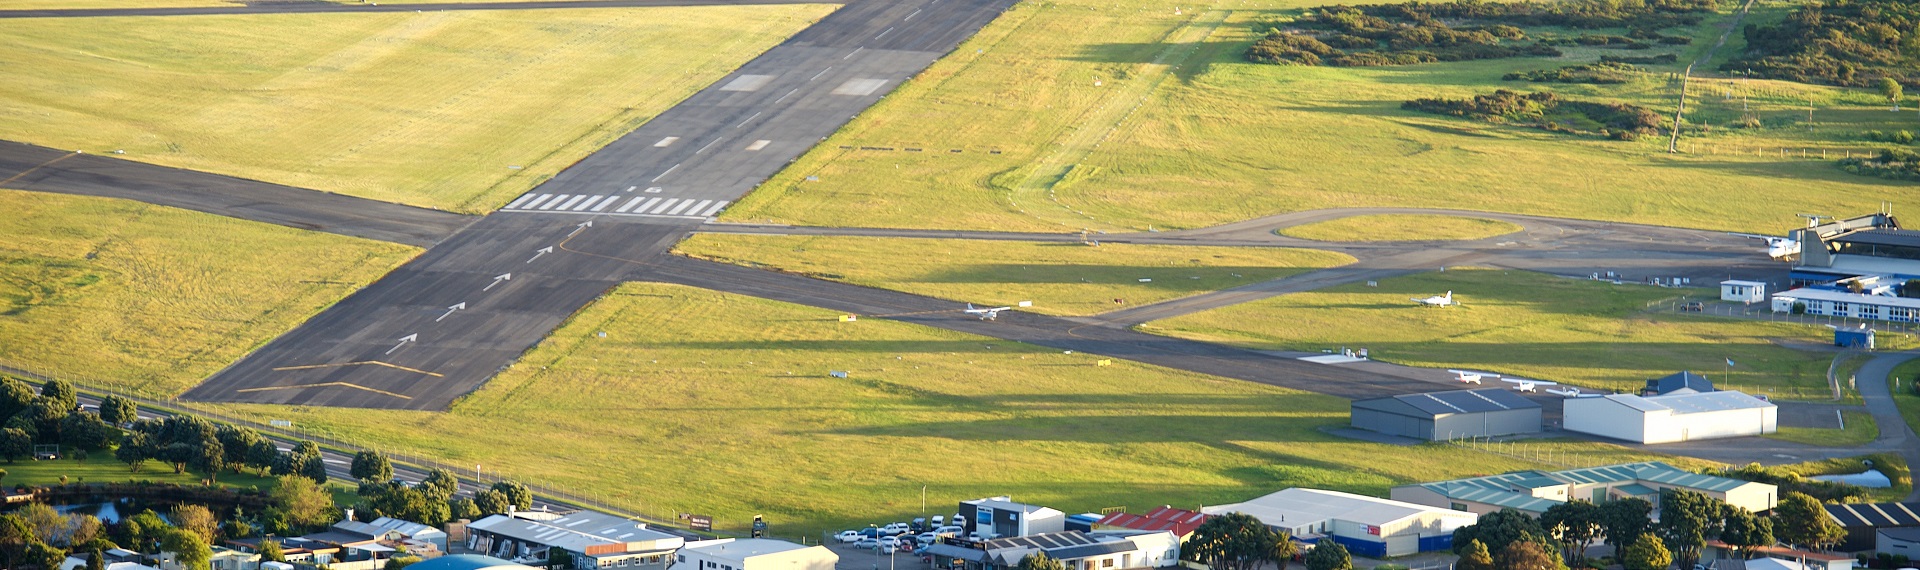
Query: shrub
x,y
1544,110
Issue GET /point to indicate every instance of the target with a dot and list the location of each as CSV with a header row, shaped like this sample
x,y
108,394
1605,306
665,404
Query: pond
x,y
111,511
1871,479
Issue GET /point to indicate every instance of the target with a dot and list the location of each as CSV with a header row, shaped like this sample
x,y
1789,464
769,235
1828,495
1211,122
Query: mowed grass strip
x,y
1401,227
1860,429
459,110
697,401
1060,278
1218,139
1591,334
152,299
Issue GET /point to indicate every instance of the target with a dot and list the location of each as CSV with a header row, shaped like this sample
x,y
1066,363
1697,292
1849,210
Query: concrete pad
x,y
860,87
747,83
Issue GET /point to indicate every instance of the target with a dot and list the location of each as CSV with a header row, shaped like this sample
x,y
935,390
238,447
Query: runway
x,y
432,331
41,169
319,7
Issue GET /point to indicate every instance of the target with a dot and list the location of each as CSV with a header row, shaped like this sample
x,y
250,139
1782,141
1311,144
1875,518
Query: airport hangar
x,y
1441,416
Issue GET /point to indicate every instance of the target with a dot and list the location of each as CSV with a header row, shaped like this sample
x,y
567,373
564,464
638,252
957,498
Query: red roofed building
x,y
1181,522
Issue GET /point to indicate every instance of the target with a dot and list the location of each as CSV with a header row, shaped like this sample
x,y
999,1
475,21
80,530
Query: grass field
x,y
1060,278
1401,227
697,401
100,4
151,299
452,110
1129,115
1859,431
1588,333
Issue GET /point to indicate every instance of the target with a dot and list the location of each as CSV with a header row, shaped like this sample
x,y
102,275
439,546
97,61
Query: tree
x,y
440,484
237,443
492,502
1284,549
1646,553
262,455
178,454
369,465
85,431
303,502
1329,555
118,411
1576,524
313,467
46,415
1498,529
135,449
399,500
15,444
270,551
1527,555
462,508
196,519
1475,557
96,560
82,529
15,396
1746,532
60,393
398,562
1623,519
188,549
1801,521
1035,561
517,494
1892,90
45,523
1234,541
1687,518
210,459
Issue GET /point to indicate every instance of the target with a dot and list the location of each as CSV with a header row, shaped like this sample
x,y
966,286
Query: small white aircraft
x,y
1777,247
1437,300
1570,392
1525,385
1471,377
986,314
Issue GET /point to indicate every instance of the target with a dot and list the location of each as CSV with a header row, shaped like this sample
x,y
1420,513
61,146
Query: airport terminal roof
x,y
1875,514
1905,238
1300,507
1812,294
1437,404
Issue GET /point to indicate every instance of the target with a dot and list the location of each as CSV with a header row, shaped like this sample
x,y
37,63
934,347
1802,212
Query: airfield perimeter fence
x,y
421,462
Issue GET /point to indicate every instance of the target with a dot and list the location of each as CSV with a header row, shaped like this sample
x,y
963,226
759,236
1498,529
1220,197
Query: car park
x,y
925,538
847,536
867,542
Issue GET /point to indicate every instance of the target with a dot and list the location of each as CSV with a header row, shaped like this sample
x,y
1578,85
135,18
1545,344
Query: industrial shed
x,y
1438,416
1367,526
1674,418
1865,521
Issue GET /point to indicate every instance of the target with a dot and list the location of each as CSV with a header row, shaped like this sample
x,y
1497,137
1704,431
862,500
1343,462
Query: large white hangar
x,y
1438,416
1674,418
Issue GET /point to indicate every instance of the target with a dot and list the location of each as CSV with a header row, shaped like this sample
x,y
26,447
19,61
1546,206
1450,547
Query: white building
x,y
1827,302
1000,517
1367,526
1674,418
413,531
1103,550
753,554
1743,291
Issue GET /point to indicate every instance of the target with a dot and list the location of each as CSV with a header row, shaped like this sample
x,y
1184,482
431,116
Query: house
x,y
1441,416
79,562
414,531
1864,521
1533,492
1367,526
1682,382
224,558
1180,522
1671,418
752,554
1743,291
996,517
594,539
1720,551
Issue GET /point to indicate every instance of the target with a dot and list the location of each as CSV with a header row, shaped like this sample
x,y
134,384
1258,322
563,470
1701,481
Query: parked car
x,y
919,524
870,532
867,542
938,521
925,538
896,528
907,542
847,536
954,529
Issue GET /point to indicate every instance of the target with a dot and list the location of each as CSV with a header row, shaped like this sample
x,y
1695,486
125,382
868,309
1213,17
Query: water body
x,y
1871,479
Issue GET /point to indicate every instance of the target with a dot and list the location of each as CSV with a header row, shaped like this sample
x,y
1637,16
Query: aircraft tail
x,y
1449,296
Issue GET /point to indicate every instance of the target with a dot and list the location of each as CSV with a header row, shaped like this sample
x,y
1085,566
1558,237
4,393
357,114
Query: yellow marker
x,y
849,318
1105,362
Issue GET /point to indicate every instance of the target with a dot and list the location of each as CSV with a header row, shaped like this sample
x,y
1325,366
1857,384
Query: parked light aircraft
x,y
986,314
1525,385
1471,377
1437,300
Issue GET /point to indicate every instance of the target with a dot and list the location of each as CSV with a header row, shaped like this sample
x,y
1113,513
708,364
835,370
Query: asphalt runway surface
x,y
269,8
41,169
701,154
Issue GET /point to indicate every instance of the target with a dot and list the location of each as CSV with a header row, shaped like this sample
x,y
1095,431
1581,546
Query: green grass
x,y
100,467
1587,333
1060,278
676,410
1401,227
1904,397
152,299
454,110
1181,133
1859,431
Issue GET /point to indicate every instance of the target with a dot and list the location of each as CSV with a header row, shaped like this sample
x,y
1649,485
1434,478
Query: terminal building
x,y
1856,268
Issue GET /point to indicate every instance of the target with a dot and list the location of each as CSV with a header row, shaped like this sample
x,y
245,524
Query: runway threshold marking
x,y
22,173
372,362
326,385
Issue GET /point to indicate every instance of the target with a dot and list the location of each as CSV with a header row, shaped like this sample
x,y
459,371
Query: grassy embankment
x,y
1129,115
698,401
452,110
1401,227
1859,430
1587,333
1060,278
151,299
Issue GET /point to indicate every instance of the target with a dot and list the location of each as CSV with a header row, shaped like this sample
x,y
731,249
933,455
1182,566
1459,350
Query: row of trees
x,y
1687,520
432,501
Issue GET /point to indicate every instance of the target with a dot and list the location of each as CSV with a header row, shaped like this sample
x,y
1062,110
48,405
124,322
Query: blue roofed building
x,y
1533,492
1682,382
467,562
